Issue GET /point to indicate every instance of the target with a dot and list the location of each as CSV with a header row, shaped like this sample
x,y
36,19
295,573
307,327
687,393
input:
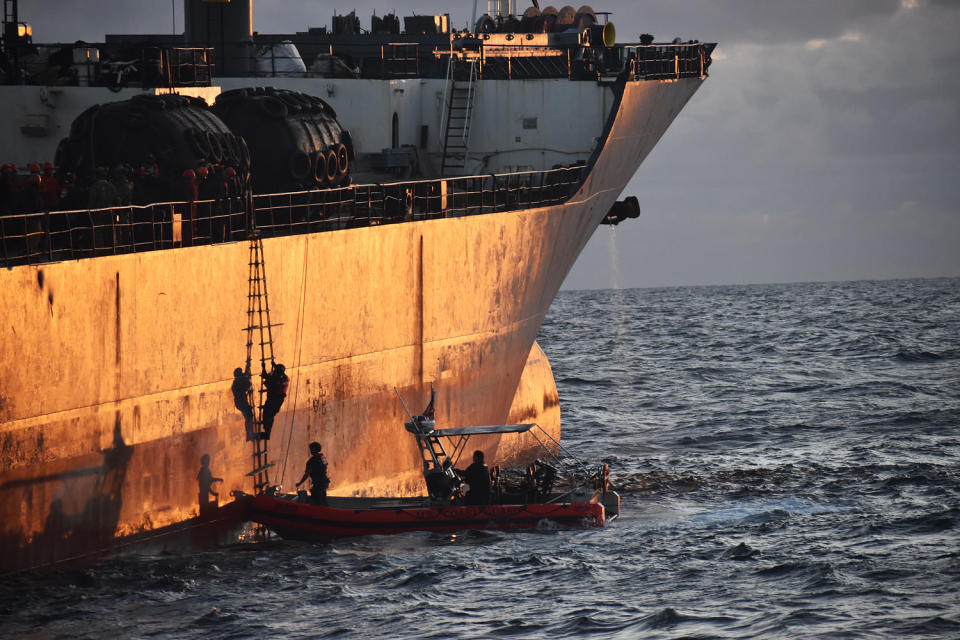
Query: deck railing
x,y
65,235
515,60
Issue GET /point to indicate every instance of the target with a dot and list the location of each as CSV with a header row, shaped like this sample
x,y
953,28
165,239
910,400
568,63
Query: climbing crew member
x,y
242,388
276,382
316,470
478,477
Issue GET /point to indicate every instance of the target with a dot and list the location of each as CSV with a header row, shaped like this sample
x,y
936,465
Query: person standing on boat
x,y
316,470
276,383
478,477
205,482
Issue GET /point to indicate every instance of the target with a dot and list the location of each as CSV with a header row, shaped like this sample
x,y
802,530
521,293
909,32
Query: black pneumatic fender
x,y
294,138
343,160
332,168
273,108
320,168
216,149
174,133
299,165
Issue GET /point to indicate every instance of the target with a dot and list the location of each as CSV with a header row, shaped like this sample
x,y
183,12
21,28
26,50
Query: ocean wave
x,y
911,355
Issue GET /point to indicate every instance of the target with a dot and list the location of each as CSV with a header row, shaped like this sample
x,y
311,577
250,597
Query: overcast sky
x,y
824,146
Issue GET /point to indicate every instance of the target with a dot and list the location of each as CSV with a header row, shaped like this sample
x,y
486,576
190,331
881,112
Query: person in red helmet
x,y
190,185
12,188
49,187
233,184
31,201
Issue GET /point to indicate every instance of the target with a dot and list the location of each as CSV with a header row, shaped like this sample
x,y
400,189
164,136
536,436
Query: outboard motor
x,y
294,138
163,135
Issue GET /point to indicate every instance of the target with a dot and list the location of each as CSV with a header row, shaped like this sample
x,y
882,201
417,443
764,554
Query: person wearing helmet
x,y
276,382
233,183
242,388
31,200
316,470
190,184
49,187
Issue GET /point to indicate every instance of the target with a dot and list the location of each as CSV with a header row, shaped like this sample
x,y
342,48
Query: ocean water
x,y
788,458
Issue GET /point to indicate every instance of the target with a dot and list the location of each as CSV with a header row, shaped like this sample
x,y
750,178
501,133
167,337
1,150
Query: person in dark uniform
x,y
478,477
242,388
205,482
276,383
316,470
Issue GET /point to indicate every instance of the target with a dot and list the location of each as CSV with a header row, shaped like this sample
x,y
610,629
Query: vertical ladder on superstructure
x,y
459,118
259,328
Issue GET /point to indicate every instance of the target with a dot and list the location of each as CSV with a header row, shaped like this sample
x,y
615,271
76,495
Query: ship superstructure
x,y
470,196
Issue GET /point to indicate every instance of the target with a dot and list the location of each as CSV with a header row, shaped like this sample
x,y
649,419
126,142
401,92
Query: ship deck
x,y
35,238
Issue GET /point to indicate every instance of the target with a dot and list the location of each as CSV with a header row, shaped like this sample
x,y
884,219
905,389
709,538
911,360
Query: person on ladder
x,y
276,382
242,388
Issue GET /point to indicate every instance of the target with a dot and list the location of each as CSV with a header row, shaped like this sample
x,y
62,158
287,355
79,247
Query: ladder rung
x,y
260,469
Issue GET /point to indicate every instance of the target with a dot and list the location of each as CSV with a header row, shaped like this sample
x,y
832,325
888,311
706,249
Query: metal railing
x,y
65,235
644,62
82,233
377,204
662,62
496,61
146,67
187,67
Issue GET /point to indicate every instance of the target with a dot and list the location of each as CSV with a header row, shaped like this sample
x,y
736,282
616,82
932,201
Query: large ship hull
x,y
117,370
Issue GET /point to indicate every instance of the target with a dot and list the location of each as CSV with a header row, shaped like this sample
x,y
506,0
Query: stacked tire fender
x,y
174,132
294,138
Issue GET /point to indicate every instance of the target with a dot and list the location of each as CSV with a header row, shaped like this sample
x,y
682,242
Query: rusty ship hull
x,y
117,370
